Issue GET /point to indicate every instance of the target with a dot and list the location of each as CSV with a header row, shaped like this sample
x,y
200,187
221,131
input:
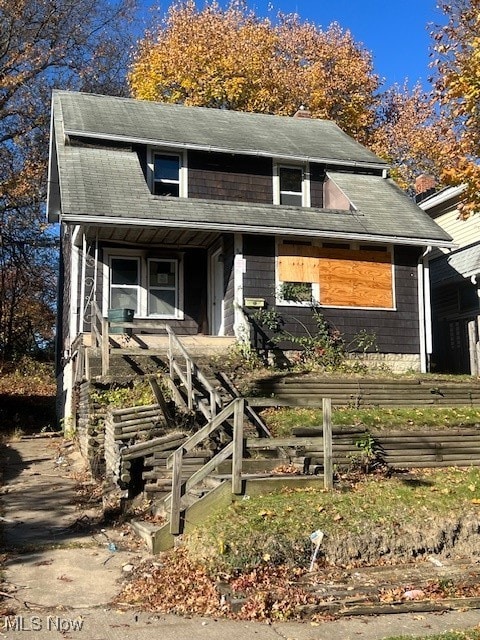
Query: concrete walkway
x,y
63,568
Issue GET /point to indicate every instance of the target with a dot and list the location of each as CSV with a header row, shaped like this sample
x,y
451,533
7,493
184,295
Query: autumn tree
x,y
230,58
457,82
81,44
411,134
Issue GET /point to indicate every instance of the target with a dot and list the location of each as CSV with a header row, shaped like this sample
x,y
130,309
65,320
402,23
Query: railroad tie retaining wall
x,y
307,391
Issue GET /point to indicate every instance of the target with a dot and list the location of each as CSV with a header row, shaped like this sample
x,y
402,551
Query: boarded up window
x,y
347,278
298,263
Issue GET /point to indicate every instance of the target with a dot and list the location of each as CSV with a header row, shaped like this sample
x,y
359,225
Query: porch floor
x,y
198,344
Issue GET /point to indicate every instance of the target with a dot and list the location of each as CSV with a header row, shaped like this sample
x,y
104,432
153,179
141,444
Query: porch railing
x,y
192,379
99,330
99,333
234,448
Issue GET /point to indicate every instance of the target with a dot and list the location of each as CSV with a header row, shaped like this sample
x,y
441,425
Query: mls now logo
x,y
36,623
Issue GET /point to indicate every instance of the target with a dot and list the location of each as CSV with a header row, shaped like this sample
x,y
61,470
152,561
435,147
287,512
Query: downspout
x,y
424,311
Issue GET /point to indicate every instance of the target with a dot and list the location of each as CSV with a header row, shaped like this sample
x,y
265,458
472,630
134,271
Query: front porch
x,y
103,355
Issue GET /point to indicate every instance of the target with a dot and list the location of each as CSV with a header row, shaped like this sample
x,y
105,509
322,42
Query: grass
x,y
282,421
275,528
469,634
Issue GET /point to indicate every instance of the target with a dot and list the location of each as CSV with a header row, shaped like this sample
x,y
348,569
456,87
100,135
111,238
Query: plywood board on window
x,y
355,278
348,278
298,263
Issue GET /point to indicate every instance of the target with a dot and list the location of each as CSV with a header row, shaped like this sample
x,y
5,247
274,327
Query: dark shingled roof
x,y
105,185
217,129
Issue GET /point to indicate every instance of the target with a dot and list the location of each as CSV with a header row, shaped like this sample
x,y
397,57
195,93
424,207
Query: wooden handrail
x,y
100,338
234,448
192,371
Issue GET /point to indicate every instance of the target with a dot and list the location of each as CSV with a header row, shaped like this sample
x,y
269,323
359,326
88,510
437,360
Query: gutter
x,y
254,229
441,197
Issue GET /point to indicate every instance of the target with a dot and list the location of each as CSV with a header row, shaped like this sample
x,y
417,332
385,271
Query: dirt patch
x,y
444,538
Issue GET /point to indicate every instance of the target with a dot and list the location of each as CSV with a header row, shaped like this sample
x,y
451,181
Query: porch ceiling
x,y
151,235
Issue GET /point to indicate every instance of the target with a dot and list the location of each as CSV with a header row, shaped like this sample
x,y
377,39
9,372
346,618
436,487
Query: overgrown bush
x,y
324,348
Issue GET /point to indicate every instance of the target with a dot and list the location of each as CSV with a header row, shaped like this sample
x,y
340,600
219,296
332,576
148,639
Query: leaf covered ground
x,y
252,560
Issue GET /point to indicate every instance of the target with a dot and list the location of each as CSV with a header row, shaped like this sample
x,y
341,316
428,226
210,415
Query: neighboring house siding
x,y
219,176
454,305
395,331
463,232
228,273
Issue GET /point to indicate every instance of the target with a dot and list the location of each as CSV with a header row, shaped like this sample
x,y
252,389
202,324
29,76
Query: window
x,y
291,181
162,288
335,275
149,286
291,186
166,175
124,284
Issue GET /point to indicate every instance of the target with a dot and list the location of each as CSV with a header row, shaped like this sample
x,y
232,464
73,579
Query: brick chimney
x,y
423,183
302,112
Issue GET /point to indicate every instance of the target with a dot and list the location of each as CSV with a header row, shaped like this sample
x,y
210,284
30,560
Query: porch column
x,y
241,328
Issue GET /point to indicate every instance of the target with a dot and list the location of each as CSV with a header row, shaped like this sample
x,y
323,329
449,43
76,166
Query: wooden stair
x,y
159,538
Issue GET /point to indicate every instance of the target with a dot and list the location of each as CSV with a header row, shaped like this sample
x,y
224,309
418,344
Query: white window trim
x,y
305,168
182,174
143,285
279,301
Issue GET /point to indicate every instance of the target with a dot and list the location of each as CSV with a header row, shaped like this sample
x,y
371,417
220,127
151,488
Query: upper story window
x,y
291,186
166,175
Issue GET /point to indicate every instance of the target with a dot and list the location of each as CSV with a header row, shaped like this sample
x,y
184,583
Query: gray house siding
x,y
396,331
317,177
64,288
219,176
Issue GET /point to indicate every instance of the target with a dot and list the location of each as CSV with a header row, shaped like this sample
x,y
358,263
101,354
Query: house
x,y
455,284
185,214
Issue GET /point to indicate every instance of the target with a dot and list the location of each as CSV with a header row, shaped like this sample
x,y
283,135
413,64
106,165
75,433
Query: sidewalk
x,y
63,570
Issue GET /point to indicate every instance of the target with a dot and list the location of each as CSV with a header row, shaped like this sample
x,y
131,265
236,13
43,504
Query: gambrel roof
x,y
98,184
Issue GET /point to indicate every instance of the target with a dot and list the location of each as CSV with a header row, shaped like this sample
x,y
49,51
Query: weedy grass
x,y
275,528
282,421
468,634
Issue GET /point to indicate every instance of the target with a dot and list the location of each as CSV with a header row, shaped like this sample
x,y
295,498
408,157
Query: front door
x,y
216,293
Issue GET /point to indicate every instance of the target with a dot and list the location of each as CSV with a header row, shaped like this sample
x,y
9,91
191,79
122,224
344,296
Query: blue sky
x,y
396,33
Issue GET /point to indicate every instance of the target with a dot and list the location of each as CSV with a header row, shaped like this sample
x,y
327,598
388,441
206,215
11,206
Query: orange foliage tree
x,y
457,82
410,134
229,58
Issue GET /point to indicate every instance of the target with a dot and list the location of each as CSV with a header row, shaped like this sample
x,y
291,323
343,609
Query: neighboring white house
x,y
455,286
